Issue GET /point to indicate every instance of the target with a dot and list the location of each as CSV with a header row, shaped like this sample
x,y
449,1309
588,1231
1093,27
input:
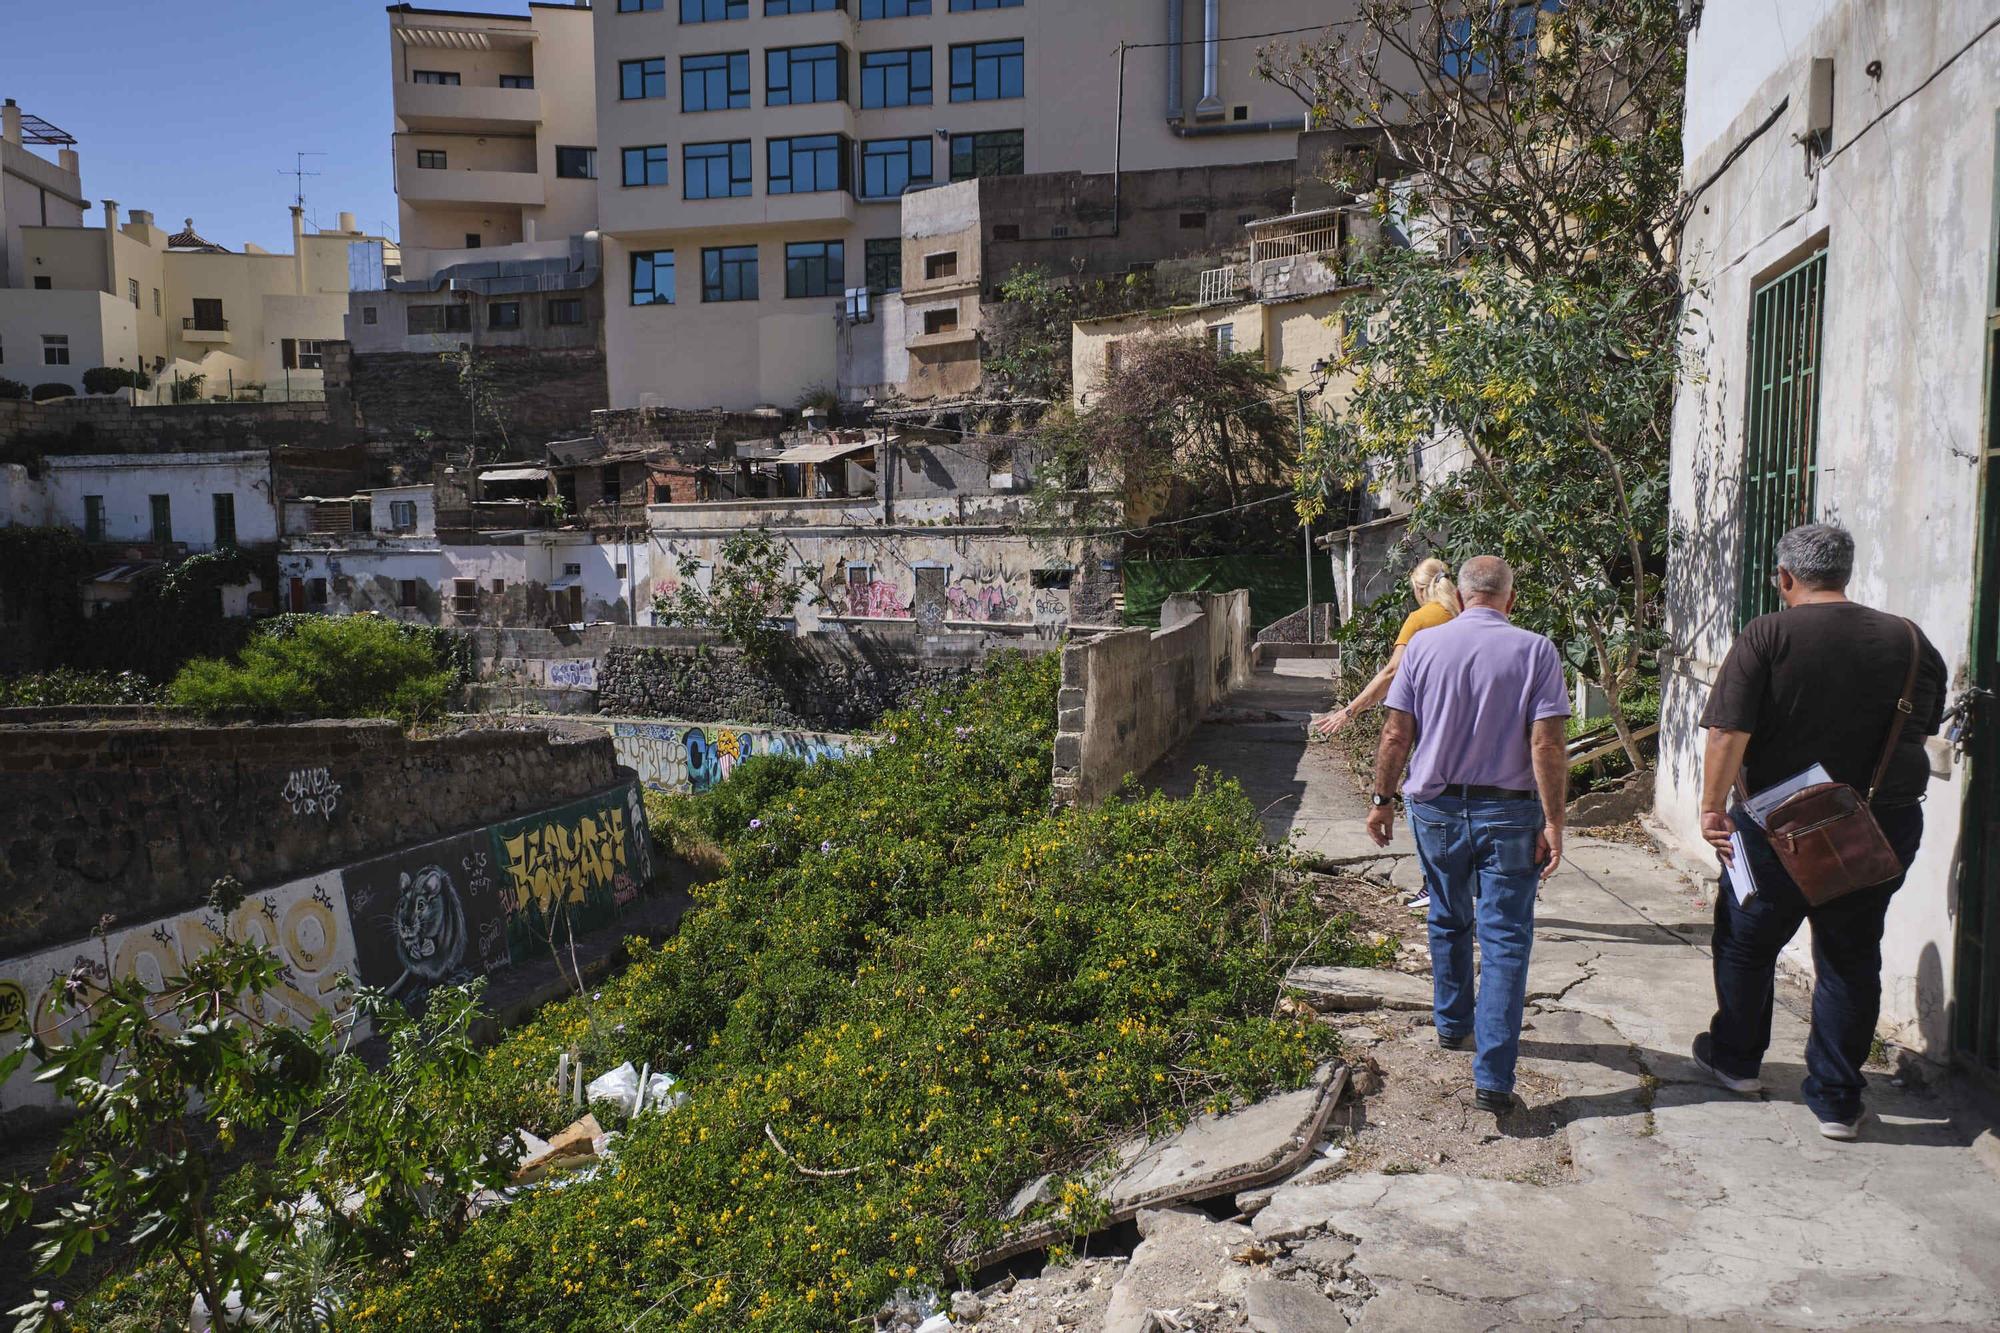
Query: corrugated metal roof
x,y
516,474
824,451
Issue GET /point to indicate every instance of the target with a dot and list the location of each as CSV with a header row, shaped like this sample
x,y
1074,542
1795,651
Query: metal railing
x,y
1222,285
1293,245
214,326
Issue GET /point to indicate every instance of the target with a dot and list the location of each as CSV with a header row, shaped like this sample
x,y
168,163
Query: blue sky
x,y
194,109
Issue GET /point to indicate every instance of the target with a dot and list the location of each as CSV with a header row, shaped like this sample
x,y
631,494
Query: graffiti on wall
x,y
990,601
427,917
877,597
305,923
580,674
1051,615
677,756
311,791
568,869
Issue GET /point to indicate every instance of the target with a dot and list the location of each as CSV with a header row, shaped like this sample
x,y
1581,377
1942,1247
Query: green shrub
x,y
110,379
12,389
61,687
48,389
316,666
913,976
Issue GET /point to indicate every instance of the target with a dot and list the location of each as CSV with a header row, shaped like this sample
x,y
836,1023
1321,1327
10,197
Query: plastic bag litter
x,y
621,1087
937,1323
912,1309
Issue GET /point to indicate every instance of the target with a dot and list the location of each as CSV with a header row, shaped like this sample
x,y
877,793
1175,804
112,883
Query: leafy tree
x,y
50,389
12,389
1181,424
352,666
748,592
1032,326
140,1163
1539,346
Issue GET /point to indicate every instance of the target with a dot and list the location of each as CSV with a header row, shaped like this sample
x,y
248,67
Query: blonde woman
x,y
1432,584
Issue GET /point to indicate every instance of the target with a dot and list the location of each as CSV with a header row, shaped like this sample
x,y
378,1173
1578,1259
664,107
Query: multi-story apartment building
x,y
34,192
496,131
755,151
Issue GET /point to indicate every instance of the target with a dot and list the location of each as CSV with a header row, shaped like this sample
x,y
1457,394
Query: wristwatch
x,y
1378,800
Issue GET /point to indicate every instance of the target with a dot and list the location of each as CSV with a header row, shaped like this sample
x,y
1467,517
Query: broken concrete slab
x,y
1289,1305
1352,989
1185,1256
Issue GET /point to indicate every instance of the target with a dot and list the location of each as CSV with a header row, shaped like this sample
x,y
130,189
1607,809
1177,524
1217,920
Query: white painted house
x,y
194,501
1844,249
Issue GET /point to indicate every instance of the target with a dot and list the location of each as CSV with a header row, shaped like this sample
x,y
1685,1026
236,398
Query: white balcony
x,y
429,106
1221,286
418,185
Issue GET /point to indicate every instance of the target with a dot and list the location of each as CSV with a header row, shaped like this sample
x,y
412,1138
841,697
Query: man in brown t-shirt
x,y
1815,683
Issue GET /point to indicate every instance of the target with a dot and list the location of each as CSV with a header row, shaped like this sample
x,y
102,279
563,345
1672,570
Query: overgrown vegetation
x,y
1517,377
1034,322
64,688
912,991
747,595
320,666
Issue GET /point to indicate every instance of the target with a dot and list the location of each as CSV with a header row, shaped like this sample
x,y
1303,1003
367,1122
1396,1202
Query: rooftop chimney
x,y
111,246
347,221
11,115
298,250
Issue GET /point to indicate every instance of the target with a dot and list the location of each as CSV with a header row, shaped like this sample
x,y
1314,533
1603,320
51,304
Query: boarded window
x,y
941,266
941,321
408,592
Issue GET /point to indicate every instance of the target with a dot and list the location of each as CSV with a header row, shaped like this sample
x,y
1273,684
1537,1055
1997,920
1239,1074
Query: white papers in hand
x,y
1737,872
1760,805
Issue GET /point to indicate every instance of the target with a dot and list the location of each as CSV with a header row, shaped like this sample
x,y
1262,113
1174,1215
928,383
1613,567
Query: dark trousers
x,y
1847,968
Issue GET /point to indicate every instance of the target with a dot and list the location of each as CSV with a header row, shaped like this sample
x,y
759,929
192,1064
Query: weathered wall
x,y
544,395
108,426
135,817
693,756
441,912
1130,696
821,687
1905,213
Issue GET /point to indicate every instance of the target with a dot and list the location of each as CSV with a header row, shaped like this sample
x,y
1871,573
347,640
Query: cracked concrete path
x,y
1691,1207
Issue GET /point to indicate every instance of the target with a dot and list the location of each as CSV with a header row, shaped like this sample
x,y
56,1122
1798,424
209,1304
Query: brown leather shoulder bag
x,y
1826,836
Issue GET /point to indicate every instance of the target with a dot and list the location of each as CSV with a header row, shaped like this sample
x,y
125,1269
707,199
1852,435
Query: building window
x,y
43,282
986,71
645,166
407,589
499,587
891,166
439,318
807,164
641,79
716,82
225,518
896,78
608,490
882,264
794,75
132,291
572,571
618,571
989,153
93,518
894,9
156,300
944,320
576,164
713,11
316,592
652,277
729,273
503,314
715,170
430,159
55,349
815,268
1781,430
1222,337
1194,221
163,518
1006,231
442,78
640,6
1053,579
472,240
780,7
369,315
465,596
521,81
565,310
941,265
966,6
208,314
402,515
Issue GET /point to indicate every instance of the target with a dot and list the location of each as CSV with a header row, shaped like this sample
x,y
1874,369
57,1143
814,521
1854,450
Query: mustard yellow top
x,y
1428,616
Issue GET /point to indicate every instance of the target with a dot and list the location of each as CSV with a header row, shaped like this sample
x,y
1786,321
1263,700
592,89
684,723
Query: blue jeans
x,y
1479,865
1847,969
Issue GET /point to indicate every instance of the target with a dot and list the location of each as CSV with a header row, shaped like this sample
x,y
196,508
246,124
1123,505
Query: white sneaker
x,y
1842,1131
1743,1085
1420,903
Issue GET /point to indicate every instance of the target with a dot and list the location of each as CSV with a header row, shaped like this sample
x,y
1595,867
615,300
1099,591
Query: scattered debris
x,y
575,1146
1352,989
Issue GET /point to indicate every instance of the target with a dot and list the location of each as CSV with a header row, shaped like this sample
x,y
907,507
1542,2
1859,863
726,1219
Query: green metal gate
x,y
1781,434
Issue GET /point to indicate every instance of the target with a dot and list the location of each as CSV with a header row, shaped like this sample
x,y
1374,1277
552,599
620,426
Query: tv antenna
x,y
297,171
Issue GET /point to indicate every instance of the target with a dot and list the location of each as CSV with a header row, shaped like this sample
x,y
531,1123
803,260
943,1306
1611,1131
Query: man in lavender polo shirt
x,y
1483,704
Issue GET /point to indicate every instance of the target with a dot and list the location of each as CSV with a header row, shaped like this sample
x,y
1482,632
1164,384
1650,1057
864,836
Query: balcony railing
x,y
1222,285
1296,244
188,324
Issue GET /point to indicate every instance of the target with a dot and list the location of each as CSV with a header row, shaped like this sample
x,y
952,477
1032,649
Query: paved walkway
x,y
1692,1207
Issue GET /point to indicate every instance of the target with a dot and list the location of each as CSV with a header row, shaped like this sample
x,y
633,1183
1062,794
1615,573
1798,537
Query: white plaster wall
x,y
425,499
190,481
24,500
1907,215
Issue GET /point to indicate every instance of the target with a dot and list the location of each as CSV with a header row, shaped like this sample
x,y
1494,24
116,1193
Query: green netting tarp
x,y
1277,584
